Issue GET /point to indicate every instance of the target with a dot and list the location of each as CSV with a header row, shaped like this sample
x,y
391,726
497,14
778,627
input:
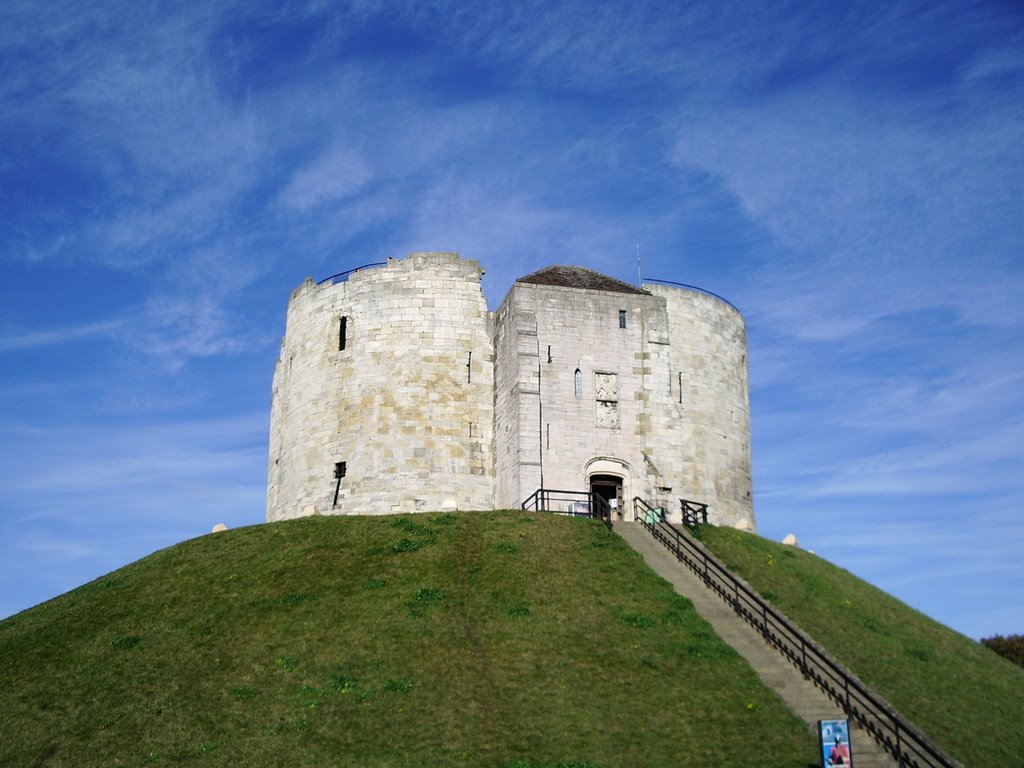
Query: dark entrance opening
x,y
609,488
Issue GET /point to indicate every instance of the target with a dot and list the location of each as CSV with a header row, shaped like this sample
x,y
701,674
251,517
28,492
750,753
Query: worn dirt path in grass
x,y
802,697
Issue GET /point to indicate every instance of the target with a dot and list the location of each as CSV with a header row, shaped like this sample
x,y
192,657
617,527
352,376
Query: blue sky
x,y
850,177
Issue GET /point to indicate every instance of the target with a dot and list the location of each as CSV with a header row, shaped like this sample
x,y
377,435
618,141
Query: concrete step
x,y
803,698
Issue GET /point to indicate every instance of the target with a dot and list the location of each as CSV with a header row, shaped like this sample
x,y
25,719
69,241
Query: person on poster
x,y
839,755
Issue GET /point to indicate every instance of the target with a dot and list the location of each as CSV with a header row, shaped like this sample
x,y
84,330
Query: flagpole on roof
x,y
638,281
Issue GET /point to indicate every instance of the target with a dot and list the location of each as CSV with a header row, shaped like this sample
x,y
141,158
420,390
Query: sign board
x,y
834,743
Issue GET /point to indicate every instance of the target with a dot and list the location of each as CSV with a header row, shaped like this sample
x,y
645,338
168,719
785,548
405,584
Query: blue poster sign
x,y
834,740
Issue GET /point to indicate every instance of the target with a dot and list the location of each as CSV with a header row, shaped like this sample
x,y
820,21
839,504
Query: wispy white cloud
x,y
996,62
938,557
81,498
61,470
337,175
884,202
58,548
14,339
927,456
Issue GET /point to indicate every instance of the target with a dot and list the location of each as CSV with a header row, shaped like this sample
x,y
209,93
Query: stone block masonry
x,y
382,393
397,391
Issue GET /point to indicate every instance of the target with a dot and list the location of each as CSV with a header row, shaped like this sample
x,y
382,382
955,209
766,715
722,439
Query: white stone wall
x,y
662,446
407,405
699,434
662,403
553,331
516,417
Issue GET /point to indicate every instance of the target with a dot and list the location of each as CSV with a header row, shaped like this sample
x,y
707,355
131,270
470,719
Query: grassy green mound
x,y
963,695
484,639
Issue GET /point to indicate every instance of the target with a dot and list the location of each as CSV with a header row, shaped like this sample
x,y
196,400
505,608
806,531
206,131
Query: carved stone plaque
x,y
608,414
606,386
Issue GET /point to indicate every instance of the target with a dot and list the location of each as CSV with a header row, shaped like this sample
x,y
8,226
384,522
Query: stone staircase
x,y
805,700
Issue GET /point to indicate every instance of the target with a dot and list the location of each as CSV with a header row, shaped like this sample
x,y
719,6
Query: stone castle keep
x,y
398,391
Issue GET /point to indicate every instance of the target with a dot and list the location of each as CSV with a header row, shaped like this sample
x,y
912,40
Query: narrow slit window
x,y
339,473
622,318
578,377
342,333
469,368
680,387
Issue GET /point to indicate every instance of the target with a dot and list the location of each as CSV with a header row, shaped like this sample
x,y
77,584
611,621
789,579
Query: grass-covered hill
x,y
962,694
478,639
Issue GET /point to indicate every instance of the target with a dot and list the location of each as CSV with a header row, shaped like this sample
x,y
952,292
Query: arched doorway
x,y
609,488
610,478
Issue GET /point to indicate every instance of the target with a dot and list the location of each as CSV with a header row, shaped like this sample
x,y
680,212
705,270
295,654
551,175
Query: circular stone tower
x,y
383,393
699,419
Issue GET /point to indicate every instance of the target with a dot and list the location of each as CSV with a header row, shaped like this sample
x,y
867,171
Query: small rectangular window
x,y
622,318
342,333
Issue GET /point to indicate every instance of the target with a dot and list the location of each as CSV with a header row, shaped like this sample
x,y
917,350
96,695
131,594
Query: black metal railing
x,y
903,741
650,514
694,513
576,503
343,276
691,287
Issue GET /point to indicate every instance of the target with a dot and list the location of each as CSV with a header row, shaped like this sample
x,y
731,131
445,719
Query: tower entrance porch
x,y
611,479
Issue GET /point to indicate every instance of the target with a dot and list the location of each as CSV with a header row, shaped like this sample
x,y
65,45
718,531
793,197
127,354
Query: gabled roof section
x,y
578,277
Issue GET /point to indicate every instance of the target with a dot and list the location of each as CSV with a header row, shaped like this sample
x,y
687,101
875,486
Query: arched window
x,y
579,383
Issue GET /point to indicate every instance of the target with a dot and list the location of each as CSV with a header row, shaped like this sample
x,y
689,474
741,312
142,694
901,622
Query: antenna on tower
x,y
638,283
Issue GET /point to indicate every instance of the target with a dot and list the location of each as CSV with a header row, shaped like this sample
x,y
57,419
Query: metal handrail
x,y
639,505
694,513
348,272
592,504
909,746
642,509
691,287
